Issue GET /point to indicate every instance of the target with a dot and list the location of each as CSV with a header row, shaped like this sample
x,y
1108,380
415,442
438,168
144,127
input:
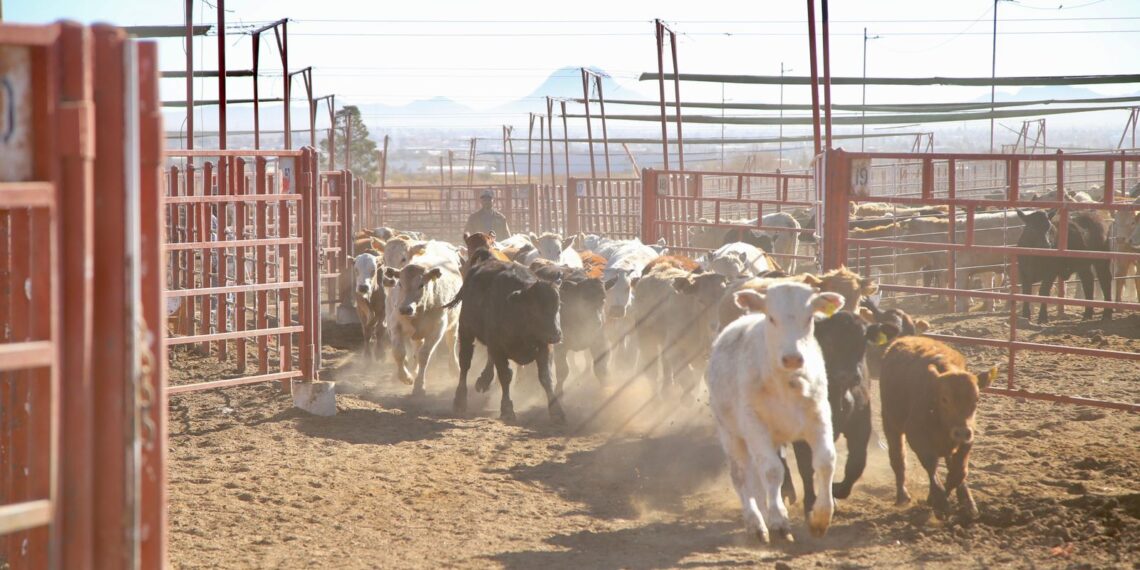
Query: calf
x,y
419,311
675,261
928,398
768,388
738,259
843,281
1126,236
1088,231
582,314
897,318
370,303
516,316
674,322
477,241
843,339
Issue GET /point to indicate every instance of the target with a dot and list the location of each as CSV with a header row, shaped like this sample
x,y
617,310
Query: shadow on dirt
x,y
376,427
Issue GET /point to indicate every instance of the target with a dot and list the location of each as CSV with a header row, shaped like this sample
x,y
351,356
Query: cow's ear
x,y
391,273
533,238
743,257
683,284
609,284
813,280
633,281
417,249
881,334
569,242
351,261
867,286
491,234
921,326
827,303
867,315
432,274
749,300
933,369
389,282
466,236
1021,214
986,378
698,271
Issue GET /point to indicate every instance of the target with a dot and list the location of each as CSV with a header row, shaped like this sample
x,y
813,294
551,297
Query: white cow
x,y
736,260
768,388
623,269
370,303
400,251
416,313
783,243
1126,236
552,247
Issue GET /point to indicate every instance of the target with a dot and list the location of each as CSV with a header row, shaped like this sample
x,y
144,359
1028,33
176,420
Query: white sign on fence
x,y
580,188
16,142
860,175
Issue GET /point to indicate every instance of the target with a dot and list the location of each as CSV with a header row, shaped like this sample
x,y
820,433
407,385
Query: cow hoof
x,y
840,491
969,513
406,380
1106,316
459,406
557,415
483,383
418,392
818,523
902,500
507,416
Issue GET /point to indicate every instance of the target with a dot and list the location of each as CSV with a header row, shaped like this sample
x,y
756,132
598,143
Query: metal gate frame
x,y
82,364
835,174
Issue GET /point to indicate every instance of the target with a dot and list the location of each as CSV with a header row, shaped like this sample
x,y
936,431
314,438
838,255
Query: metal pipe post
x,y
677,95
659,29
826,75
814,76
605,134
589,129
221,74
189,74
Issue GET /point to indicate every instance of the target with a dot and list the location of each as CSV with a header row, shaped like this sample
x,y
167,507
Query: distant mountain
x,y
566,83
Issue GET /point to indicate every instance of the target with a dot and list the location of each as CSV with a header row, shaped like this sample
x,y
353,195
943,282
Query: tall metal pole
x,y
605,134
677,95
826,75
288,87
660,33
565,140
384,164
256,98
863,116
993,76
589,129
190,74
529,145
782,70
814,76
221,74
550,139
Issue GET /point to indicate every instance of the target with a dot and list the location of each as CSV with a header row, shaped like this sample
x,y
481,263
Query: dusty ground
x,y
393,482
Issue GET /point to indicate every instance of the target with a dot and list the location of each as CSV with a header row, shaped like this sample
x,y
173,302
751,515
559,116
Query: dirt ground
x,y
396,482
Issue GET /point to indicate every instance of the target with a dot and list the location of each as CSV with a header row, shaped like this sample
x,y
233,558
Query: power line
x,y
694,34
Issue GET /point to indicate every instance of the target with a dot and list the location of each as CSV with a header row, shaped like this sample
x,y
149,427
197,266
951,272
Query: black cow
x,y
898,318
843,338
516,317
1088,231
582,314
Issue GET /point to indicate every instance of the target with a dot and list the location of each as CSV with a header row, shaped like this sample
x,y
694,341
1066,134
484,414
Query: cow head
x,y
661,247
789,309
619,293
411,283
705,290
478,240
843,338
396,254
537,305
583,308
550,245
366,270
956,398
1039,229
733,264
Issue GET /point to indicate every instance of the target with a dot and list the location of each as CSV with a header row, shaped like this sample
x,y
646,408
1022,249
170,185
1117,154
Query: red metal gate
x,y
605,206
968,240
440,212
81,363
677,206
243,261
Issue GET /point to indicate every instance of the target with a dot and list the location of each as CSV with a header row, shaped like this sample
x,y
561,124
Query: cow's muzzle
x,y
792,361
962,434
408,310
363,289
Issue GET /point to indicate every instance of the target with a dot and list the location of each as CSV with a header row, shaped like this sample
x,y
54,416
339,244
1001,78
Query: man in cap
x,y
487,219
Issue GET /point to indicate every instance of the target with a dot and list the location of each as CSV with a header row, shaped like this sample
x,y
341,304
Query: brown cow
x,y
675,261
477,241
593,264
928,398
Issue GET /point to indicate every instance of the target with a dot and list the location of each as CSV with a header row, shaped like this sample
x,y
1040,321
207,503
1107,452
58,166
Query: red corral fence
x,y
242,255
441,211
82,363
977,233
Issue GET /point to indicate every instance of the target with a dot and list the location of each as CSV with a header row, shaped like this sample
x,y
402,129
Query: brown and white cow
x,y
929,398
416,313
370,300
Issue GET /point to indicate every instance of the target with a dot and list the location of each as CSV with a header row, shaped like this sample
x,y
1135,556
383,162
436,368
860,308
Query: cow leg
x,y
858,436
823,462
737,452
503,367
466,351
1046,289
1104,275
1085,274
449,341
897,452
561,366
937,497
552,404
483,382
957,466
766,463
601,356
962,304
807,474
381,340
1026,289
399,355
427,350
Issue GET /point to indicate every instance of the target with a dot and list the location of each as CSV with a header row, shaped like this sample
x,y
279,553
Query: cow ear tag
x,y
993,373
881,338
829,309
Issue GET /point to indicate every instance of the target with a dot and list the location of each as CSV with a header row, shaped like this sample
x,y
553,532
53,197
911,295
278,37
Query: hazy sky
x,y
485,53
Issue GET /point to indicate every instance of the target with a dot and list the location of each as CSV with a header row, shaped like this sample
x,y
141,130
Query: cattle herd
x,y
787,357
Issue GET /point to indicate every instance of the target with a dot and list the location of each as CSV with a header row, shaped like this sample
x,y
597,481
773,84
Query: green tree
x,y
364,160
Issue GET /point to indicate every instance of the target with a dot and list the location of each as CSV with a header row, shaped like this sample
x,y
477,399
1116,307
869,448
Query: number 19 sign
x,y
860,175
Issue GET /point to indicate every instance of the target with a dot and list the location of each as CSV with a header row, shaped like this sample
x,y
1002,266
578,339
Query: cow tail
x,y
458,296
